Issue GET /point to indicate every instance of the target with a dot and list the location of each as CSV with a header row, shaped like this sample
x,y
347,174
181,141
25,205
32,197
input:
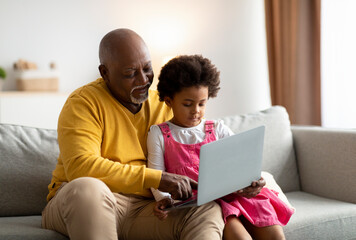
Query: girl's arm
x,y
155,158
221,130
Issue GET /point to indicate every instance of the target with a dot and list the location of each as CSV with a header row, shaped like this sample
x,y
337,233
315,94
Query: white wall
x,y
338,38
230,32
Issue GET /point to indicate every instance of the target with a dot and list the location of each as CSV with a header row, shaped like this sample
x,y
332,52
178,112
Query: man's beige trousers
x,y
85,208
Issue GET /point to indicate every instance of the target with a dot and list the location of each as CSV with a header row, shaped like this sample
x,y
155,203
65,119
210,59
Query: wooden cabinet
x,y
35,109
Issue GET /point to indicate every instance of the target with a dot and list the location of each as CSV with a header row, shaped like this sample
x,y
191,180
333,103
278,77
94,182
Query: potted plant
x,y
2,77
2,73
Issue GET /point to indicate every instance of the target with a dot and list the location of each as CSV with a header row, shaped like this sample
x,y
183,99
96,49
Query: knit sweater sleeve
x,y
80,134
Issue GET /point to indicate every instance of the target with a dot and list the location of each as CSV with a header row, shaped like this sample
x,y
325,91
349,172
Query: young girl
x,y
185,84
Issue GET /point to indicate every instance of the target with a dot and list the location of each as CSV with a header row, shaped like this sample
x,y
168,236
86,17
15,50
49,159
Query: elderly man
x,y
100,186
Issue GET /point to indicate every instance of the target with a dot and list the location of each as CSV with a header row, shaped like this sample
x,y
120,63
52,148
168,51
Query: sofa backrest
x,y
278,152
27,158
29,155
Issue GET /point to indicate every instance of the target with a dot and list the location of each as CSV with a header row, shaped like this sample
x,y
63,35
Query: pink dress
x,y
265,209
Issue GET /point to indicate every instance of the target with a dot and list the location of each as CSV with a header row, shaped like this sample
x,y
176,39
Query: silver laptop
x,y
227,165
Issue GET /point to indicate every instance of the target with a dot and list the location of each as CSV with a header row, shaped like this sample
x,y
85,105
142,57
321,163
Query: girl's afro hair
x,y
188,71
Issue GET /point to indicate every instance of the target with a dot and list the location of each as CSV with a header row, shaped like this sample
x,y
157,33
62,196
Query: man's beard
x,y
142,98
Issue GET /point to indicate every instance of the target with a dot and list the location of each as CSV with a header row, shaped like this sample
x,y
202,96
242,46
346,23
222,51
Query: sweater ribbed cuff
x,y
152,178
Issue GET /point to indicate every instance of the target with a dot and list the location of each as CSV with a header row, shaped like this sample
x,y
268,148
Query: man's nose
x,y
142,78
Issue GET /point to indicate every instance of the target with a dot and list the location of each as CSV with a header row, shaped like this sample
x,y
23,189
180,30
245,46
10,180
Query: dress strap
x,y
209,126
165,129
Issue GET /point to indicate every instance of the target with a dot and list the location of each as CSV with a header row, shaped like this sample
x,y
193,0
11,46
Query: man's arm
x,y
80,138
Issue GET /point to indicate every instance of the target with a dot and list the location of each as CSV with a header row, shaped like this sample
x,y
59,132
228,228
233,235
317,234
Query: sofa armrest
x,y
326,161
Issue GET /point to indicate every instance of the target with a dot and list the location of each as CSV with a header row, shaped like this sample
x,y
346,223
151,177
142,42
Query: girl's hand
x,y
160,205
253,190
248,192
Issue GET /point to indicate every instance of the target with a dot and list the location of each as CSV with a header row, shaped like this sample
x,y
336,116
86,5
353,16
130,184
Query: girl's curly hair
x,y
188,71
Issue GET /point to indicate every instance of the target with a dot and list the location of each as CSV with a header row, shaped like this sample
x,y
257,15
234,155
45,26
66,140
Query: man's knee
x,y
86,185
205,223
83,209
213,209
212,215
87,190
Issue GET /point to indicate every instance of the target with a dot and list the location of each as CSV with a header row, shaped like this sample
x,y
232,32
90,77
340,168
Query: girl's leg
x,y
274,232
235,230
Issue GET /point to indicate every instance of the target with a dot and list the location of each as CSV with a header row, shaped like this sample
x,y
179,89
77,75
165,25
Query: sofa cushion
x,y
27,158
27,227
320,218
278,152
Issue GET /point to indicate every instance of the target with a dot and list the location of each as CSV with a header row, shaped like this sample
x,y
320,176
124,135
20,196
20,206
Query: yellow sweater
x,y
98,137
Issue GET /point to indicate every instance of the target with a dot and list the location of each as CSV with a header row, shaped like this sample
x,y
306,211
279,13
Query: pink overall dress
x,y
265,209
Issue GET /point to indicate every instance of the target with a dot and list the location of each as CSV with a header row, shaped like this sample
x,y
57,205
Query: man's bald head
x,y
114,41
125,66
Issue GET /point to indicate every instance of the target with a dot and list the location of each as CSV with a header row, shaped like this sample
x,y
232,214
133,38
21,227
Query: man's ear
x,y
104,72
168,101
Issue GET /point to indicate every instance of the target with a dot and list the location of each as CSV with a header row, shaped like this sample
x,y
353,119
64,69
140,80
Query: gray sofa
x,y
315,167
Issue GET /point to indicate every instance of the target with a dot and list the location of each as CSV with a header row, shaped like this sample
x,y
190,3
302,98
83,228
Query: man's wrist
x,y
152,178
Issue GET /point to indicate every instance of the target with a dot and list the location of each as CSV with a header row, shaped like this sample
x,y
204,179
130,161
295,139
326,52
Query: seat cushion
x,y
320,218
26,228
27,158
278,152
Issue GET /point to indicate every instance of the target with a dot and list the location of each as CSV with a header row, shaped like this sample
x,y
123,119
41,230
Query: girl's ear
x,y
168,101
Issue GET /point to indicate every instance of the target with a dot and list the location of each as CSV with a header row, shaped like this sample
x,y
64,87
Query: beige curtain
x,y
293,45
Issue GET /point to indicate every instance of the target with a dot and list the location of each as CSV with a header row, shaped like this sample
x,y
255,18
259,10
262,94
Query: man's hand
x,y
160,205
248,192
180,187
